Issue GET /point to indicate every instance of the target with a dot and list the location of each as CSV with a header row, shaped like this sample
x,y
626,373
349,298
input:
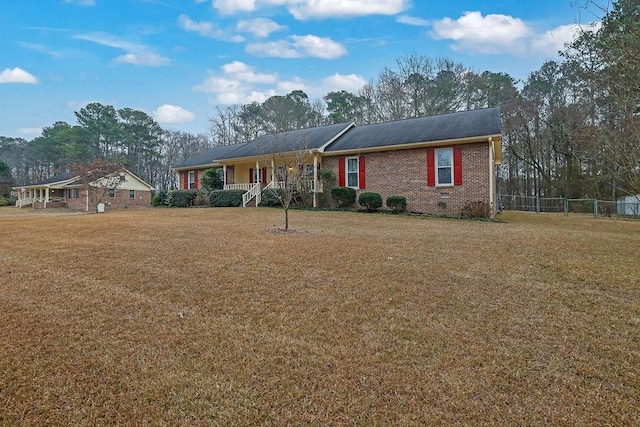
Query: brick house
x,y
64,190
439,163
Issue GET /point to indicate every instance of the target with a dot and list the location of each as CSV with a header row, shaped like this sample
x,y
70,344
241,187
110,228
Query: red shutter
x,y
431,168
457,166
361,177
341,172
264,175
185,180
251,176
195,180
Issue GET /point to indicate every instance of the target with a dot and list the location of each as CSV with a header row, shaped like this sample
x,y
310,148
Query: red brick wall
x,y
404,173
120,201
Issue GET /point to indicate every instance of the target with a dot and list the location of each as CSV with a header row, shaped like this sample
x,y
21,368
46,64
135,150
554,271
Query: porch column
x,y
273,171
315,181
224,175
257,174
46,197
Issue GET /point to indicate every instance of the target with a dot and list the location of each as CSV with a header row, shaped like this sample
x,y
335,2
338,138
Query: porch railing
x,y
27,201
245,187
254,191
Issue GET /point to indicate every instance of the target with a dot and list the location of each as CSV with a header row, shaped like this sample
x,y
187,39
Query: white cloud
x,y
350,82
207,29
17,75
82,2
488,34
144,58
203,28
299,47
172,114
239,83
259,27
412,20
30,131
318,9
553,41
243,72
498,34
232,6
136,53
288,86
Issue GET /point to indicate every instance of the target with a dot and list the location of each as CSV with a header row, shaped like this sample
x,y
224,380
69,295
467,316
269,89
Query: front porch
x,y
253,191
296,172
41,197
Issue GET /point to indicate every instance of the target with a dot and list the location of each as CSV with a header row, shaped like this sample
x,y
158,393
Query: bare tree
x,y
287,157
98,178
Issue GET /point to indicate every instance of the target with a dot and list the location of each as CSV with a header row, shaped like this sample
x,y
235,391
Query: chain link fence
x,y
628,207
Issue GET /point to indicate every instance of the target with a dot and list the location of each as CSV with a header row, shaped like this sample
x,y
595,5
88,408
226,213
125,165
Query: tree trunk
x,y
286,219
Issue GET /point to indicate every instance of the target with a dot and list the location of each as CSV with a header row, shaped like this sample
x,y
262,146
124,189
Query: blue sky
x,y
178,60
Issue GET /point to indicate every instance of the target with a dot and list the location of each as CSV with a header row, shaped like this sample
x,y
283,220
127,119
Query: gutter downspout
x,y
492,180
315,181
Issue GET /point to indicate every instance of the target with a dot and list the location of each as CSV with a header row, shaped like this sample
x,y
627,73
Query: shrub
x,y
397,203
159,198
344,197
475,209
226,198
202,198
4,201
269,199
181,198
299,199
372,201
212,180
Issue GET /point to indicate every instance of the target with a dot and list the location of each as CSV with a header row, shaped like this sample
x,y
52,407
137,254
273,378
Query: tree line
x,y
570,129
126,136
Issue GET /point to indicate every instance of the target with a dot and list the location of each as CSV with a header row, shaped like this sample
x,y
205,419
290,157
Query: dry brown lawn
x,y
207,317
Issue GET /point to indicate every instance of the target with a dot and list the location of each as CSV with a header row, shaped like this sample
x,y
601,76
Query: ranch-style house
x,y
439,163
66,190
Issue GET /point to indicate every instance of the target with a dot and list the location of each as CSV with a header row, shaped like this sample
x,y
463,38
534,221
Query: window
x,y
192,180
352,172
112,192
444,165
77,193
132,194
308,171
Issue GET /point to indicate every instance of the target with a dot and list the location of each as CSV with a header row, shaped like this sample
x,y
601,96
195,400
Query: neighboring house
x,y
65,190
439,163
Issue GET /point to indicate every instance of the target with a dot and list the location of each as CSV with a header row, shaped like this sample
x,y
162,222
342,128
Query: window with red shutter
x,y
457,166
341,178
431,169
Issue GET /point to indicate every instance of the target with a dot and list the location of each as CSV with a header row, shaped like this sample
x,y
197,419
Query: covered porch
x,y
258,175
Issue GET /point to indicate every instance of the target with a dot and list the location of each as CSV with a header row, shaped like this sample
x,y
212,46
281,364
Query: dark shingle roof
x,y
464,124
210,156
56,178
295,140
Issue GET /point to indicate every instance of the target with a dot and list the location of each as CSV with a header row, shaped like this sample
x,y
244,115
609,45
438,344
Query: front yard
x,y
206,317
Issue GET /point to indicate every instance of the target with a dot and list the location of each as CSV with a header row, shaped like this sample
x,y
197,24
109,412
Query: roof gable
x,y
459,125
